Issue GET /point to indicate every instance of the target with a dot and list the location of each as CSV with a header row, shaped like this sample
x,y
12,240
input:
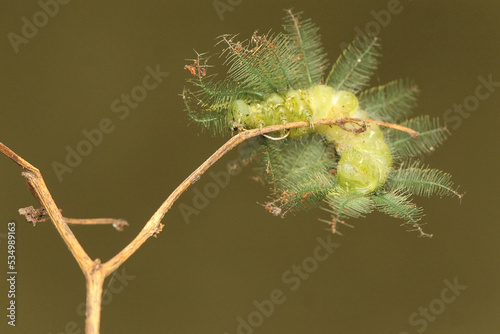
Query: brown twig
x,y
37,184
40,191
118,224
414,134
94,271
39,215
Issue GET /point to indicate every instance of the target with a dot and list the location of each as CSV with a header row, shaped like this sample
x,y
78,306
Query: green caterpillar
x,y
365,157
279,78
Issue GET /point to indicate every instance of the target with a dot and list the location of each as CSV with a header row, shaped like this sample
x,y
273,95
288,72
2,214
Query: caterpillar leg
x,y
309,118
278,138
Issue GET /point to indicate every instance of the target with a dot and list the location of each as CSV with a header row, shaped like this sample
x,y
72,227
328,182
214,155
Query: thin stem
x,y
414,134
118,224
35,179
95,279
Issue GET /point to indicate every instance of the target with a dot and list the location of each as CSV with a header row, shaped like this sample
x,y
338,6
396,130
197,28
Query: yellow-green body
x,y
365,158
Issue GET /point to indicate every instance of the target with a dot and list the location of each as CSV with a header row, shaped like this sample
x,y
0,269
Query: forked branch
x,y
95,272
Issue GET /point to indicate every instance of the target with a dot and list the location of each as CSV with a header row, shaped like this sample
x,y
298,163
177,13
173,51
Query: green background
x,y
200,277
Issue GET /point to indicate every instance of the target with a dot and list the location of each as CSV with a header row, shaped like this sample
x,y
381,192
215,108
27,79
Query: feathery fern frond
x,y
398,205
208,100
209,118
431,136
212,116
308,52
261,64
418,179
220,94
345,204
299,172
354,68
392,102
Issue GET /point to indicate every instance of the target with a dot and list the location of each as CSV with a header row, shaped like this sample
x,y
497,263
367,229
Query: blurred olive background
x,y
200,277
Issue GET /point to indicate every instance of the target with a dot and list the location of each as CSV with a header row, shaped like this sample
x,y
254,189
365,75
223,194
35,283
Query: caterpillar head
x,y
345,102
329,103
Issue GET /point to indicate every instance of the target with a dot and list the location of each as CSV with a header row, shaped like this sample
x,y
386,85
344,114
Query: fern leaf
x,y
431,136
420,180
299,172
208,106
355,66
207,101
274,53
307,48
272,167
259,64
223,92
390,103
205,115
346,204
398,205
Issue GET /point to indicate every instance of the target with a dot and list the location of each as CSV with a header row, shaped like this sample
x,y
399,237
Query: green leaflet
x,y
398,205
392,102
348,205
299,172
207,103
307,49
355,66
431,136
210,111
415,178
258,65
